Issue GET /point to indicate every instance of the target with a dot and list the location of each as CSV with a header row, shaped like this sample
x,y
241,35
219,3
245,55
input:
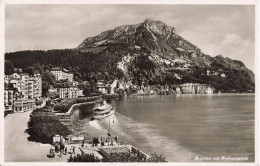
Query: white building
x,y
70,77
30,87
62,74
68,92
21,92
8,99
80,93
37,85
24,105
57,72
102,87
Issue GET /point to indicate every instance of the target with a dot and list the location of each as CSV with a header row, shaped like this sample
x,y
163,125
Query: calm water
x,y
181,126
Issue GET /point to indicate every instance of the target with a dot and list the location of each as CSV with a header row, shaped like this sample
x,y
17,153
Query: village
x,y
23,101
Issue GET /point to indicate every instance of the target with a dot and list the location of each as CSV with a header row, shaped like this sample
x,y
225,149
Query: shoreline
x,y
70,111
202,94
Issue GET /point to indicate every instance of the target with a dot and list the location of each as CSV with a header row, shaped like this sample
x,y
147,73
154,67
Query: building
x,y
70,77
30,87
23,105
15,101
23,86
8,99
75,83
102,87
36,82
11,94
80,93
21,91
223,75
18,70
62,74
57,72
68,92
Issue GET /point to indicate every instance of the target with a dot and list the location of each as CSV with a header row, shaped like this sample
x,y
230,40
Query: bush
x,y
156,158
84,158
64,105
122,157
117,157
87,99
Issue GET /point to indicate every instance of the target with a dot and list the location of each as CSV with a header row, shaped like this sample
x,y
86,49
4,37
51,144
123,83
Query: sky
x,y
228,30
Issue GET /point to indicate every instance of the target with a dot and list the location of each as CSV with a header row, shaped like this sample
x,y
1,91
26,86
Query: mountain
x,y
149,53
154,35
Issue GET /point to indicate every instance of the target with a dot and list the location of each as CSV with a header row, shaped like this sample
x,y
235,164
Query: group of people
x,y
96,141
62,149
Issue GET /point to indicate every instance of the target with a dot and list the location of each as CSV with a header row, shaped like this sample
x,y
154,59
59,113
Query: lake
x,y
181,127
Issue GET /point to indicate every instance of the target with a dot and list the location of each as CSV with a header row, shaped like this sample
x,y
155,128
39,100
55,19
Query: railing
x,y
139,152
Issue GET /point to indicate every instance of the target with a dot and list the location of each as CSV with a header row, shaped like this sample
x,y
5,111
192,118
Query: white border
x,y
183,2
2,48
226,2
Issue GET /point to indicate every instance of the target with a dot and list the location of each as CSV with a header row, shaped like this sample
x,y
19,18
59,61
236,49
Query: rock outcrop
x,y
191,88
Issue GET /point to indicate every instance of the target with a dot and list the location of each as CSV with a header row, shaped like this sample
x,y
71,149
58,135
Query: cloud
x,y
240,49
216,29
231,39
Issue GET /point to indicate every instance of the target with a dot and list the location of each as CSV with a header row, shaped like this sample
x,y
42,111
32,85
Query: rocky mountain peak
x,y
158,27
220,56
150,33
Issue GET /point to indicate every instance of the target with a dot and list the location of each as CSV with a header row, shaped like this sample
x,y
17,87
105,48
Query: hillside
x,y
149,53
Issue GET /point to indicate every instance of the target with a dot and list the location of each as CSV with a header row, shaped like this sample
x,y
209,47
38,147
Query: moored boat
x,y
103,111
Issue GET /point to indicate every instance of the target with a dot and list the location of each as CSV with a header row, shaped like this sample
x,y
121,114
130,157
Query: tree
x,y
31,71
86,88
45,88
42,127
48,77
9,67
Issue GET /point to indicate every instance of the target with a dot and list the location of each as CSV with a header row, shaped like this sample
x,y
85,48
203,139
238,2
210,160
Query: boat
x,y
103,111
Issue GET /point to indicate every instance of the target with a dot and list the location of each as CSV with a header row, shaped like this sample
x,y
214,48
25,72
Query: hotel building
x,y
21,91
62,74
68,92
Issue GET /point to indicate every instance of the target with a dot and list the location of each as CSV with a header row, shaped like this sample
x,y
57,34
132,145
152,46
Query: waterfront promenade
x,y
18,148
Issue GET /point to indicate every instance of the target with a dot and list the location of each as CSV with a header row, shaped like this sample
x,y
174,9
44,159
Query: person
x,y
65,150
73,149
116,138
83,143
71,158
56,148
62,147
60,153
